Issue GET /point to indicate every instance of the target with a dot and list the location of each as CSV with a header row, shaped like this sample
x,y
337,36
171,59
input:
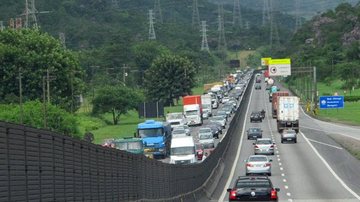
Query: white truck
x,y
193,114
288,113
182,150
206,106
176,119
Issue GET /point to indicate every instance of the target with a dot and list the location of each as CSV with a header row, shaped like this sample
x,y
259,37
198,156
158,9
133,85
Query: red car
x,y
199,149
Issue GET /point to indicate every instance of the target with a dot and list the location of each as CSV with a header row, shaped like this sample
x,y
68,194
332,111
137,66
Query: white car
x,y
179,133
184,127
206,137
258,164
219,119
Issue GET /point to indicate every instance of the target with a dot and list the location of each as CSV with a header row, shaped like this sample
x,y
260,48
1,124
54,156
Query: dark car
x,y
214,129
254,133
253,188
255,117
258,87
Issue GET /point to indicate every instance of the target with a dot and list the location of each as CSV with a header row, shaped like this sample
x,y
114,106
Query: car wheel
x,y
272,153
282,141
269,174
295,141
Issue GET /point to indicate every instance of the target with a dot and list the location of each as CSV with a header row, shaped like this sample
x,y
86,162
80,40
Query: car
x,y
222,113
219,119
178,132
183,127
289,135
253,188
264,146
254,133
258,87
225,99
258,164
206,137
199,151
228,109
255,117
214,129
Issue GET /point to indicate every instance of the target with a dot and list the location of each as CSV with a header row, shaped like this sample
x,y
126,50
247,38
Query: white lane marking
x,y
284,180
282,174
330,145
329,123
281,168
280,164
330,132
286,187
278,156
279,159
288,194
232,172
277,151
330,169
290,200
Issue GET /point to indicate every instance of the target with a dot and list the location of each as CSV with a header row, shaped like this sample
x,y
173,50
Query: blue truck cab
x,y
156,138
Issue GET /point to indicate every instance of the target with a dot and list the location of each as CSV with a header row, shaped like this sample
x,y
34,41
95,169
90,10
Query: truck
x,y
175,119
130,144
206,104
192,110
288,113
155,136
272,90
208,86
182,150
214,100
274,101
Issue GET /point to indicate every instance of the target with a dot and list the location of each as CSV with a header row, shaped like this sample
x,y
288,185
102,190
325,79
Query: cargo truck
x,y
274,98
206,102
130,144
288,113
176,119
155,136
192,110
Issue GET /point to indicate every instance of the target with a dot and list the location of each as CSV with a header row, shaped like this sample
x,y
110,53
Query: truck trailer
x,y
275,97
288,109
192,110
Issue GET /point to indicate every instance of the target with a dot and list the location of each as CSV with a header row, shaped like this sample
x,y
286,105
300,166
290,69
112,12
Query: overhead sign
x,y
280,67
331,102
265,61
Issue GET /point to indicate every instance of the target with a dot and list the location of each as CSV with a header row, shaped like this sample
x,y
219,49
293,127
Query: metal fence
x,y
40,165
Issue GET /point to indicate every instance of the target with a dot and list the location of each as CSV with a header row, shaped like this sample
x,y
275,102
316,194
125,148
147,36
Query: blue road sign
x,y
331,102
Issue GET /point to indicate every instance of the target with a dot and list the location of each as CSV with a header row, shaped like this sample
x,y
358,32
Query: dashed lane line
x,y
324,143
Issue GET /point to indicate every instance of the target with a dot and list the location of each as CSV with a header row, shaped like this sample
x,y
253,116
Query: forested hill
x,y
330,42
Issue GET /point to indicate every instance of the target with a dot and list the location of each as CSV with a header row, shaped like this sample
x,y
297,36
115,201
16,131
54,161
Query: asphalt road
x,y
315,169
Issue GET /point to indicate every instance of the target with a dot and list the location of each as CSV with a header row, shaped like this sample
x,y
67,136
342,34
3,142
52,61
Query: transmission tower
x,y
115,4
274,33
204,42
221,29
30,14
152,35
1,25
195,14
62,39
237,18
157,10
297,19
266,12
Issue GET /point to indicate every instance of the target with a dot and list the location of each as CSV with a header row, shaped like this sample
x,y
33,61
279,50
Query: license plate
x,y
289,139
254,136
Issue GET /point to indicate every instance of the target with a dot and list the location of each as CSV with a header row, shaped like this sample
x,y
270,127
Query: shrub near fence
x,y
40,165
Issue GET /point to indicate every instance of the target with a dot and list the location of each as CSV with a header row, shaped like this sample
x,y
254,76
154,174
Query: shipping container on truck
x,y
206,105
274,101
288,113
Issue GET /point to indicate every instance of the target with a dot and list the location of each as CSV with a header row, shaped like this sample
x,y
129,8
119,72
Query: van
x,y
182,150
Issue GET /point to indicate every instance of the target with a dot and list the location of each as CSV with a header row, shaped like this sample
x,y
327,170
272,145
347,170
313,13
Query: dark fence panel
x,y
40,165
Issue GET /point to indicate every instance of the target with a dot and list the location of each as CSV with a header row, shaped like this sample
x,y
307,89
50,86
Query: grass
x,y
351,145
335,87
349,114
241,55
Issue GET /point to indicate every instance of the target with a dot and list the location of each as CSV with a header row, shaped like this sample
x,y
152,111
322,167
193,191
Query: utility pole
x,y
125,74
62,39
30,14
195,14
20,97
221,29
297,15
157,10
152,35
44,102
237,18
1,25
115,4
204,42
274,33
266,13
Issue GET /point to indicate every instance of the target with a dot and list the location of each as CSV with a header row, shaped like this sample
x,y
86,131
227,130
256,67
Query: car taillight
x,y
267,164
200,152
232,195
249,165
273,194
272,146
256,146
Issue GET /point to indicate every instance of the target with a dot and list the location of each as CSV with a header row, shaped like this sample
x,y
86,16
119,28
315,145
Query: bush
x,y
352,98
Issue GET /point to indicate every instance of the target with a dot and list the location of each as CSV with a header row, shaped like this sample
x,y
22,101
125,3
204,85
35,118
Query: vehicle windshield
x,y
221,112
257,159
252,183
217,118
198,146
182,150
178,132
175,123
174,116
263,142
255,130
205,130
154,132
128,145
192,113
205,136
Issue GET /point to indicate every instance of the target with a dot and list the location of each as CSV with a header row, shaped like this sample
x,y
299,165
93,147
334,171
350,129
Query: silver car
x,y
258,164
219,119
264,146
289,135
179,132
206,137
184,127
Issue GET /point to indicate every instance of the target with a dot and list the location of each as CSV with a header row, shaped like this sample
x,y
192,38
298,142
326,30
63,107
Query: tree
x,y
168,78
57,119
31,53
117,100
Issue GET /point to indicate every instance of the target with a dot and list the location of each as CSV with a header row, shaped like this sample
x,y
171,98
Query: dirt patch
x,y
350,144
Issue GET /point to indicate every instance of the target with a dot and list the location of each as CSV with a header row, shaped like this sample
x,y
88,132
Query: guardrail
x,y
40,165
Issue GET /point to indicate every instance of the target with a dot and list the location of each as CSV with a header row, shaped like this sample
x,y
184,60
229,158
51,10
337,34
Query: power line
x,y
221,29
152,35
297,15
204,42
237,18
265,13
157,10
115,4
195,14
1,26
30,14
274,33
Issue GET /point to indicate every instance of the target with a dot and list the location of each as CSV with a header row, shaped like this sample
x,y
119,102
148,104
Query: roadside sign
x,y
265,61
280,67
331,102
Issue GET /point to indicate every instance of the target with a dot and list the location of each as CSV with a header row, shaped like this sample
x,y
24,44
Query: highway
x,y
315,169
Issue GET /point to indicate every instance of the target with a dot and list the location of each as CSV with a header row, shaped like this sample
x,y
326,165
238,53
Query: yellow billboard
x,y
265,61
